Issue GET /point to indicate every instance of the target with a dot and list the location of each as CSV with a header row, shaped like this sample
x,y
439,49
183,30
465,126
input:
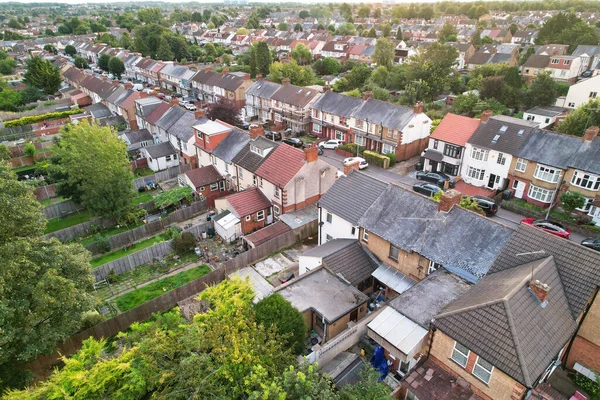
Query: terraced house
x,y
210,86
374,124
176,78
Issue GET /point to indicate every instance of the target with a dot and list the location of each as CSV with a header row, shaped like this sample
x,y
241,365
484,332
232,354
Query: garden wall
x,y
60,209
167,174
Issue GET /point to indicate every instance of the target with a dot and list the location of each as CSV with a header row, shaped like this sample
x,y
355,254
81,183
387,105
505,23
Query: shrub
x,y
174,232
90,318
42,117
186,242
376,159
276,310
103,245
29,150
571,200
392,157
351,148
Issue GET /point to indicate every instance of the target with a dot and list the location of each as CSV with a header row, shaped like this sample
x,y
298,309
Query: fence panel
x,y
160,176
63,208
45,192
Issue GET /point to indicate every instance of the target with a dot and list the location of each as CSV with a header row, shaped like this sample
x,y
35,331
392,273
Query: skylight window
x,y
495,139
521,131
503,128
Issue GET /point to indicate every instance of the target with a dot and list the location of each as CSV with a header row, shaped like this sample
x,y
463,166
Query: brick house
x,y
210,86
206,182
250,207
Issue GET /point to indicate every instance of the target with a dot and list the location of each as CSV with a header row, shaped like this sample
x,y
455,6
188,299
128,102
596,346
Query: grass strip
x,y
115,255
56,224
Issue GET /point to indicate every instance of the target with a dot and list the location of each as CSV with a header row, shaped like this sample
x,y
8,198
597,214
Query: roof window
x,y
495,139
503,128
521,131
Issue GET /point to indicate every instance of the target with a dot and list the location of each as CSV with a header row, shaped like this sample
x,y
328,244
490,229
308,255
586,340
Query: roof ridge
x,y
470,308
517,343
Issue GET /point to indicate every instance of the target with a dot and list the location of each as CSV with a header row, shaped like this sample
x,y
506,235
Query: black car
x,y
294,142
487,204
273,135
435,177
592,243
427,189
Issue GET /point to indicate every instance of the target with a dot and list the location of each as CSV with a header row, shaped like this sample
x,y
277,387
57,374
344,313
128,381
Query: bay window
x,y
585,180
540,194
547,174
476,173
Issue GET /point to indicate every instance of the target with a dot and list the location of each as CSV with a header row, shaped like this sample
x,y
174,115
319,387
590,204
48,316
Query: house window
x,y
358,123
277,117
260,215
226,168
386,148
435,143
451,150
540,194
547,121
353,231
214,186
317,128
248,217
394,251
240,173
261,181
479,154
587,205
585,180
275,211
254,180
501,159
530,117
276,194
547,174
359,140
450,169
483,370
593,95
329,217
433,266
339,135
328,238
460,354
365,236
476,173
521,165
316,114
214,160
168,158
566,62
571,105
395,134
554,61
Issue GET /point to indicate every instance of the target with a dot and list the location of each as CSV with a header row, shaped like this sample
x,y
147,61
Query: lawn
x,y
115,255
108,233
143,172
160,287
57,224
308,139
142,198
52,200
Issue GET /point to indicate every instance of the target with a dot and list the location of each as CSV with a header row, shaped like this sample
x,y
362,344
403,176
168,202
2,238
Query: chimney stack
x,y
449,199
326,89
311,153
256,131
367,94
285,81
246,77
225,70
104,78
350,167
539,289
199,114
116,82
174,101
590,133
418,109
208,68
259,77
128,85
143,95
486,115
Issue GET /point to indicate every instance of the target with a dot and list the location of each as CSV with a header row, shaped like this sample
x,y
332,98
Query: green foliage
x,y
589,386
352,148
81,62
298,75
29,150
282,26
104,185
376,159
541,92
571,200
91,318
7,66
392,157
173,197
70,50
150,15
447,33
579,120
5,153
296,384
562,88
433,68
184,243
380,93
346,29
384,53
103,61
302,54
10,100
327,66
43,75
42,117
368,387
276,311
356,78
103,245
263,58
30,94
469,204
116,66
567,29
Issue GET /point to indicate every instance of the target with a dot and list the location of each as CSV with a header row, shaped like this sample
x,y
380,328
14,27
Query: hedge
x,y
351,148
392,157
37,118
376,159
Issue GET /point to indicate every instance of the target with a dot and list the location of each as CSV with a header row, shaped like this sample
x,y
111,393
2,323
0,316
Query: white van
x,y
137,86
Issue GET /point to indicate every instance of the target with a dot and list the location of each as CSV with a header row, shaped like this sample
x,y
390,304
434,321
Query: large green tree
x,y
582,118
150,15
43,75
70,50
327,66
90,166
567,29
302,54
434,67
263,58
116,66
298,75
541,92
384,53
276,311
103,61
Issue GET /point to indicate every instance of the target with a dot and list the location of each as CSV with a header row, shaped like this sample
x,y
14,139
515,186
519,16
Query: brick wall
x,y
585,353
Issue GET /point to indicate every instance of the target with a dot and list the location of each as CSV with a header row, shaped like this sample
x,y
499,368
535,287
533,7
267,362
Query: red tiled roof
x,y
282,165
248,202
158,112
128,102
265,234
455,129
204,176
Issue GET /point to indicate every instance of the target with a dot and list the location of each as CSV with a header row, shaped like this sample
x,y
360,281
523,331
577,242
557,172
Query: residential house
x,y
581,93
489,151
337,50
551,50
526,37
327,303
258,99
564,68
205,182
207,136
137,139
465,52
250,209
223,154
154,112
176,78
534,65
160,156
545,116
249,159
181,134
374,124
482,58
147,71
290,106
345,203
209,86
447,144
144,107
590,57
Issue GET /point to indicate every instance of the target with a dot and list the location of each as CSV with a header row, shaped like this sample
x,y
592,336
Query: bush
x,y
90,318
351,148
37,118
392,157
29,150
376,159
103,245
174,232
186,242
276,310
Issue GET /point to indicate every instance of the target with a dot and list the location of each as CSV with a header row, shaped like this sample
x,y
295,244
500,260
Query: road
x,y
503,216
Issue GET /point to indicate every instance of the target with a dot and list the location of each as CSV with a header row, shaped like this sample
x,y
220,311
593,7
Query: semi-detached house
x,y
176,78
209,86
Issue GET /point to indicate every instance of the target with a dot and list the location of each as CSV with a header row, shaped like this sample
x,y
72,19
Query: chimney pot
x,y
418,109
590,133
486,115
311,153
326,88
285,81
540,290
259,77
367,94
449,199
256,131
225,70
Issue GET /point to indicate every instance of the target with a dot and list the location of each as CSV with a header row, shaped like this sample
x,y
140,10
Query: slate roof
x,y
170,117
508,141
203,176
281,165
342,200
455,129
182,128
579,267
231,145
251,161
549,148
503,322
295,95
549,111
156,112
98,110
139,136
352,263
537,61
262,89
586,49
248,202
587,156
160,150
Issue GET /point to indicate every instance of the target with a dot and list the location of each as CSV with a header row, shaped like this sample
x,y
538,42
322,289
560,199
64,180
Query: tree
x,y
541,92
567,29
81,62
399,33
447,33
327,66
263,58
492,87
512,77
364,11
43,75
116,66
356,78
5,153
298,75
304,14
579,120
368,387
386,31
164,52
29,150
302,54
10,100
384,53
305,382
571,200
380,76
298,28
7,66
276,311
252,61
434,67
150,15
513,28
372,33
70,50
476,39
224,110
90,165
346,29
426,12
103,61
282,26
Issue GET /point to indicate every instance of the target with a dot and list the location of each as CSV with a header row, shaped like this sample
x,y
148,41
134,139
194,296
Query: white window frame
x,y
360,140
479,154
592,181
329,217
339,135
260,215
593,95
365,236
276,193
476,173
248,217
317,128
240,173
214,187
540,194
546,173
587,205
554,61
484,369
432,267
387,148
521,165
466,356
316,113
328,237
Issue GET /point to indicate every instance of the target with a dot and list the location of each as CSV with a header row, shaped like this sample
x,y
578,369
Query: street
x,y
503,216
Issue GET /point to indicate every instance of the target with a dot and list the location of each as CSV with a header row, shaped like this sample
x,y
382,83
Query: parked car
x,y
428,189
189,107
592,243
435,177
587,74
362,163
547,226
488,205
331,144
273,135
294,142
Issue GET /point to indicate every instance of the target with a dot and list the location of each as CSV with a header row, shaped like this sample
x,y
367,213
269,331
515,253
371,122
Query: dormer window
x,y
256,150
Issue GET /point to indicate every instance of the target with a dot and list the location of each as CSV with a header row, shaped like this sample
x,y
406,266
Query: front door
x,y
492,181
519,189
433,165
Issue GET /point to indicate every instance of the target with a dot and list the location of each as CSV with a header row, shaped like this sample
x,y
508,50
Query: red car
x,y
547,226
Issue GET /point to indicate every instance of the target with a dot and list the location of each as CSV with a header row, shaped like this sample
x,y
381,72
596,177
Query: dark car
x,y
273,135
587,74
293,142
487,204
592,243
435,177
428,189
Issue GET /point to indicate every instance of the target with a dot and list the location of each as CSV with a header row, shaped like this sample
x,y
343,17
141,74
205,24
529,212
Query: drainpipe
x,y
320,223
324,329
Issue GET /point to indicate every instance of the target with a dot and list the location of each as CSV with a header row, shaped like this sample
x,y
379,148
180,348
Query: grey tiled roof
x,y
160,150
251,161
579,267
350,196
503,322
263,89
139,136
170,117
182,128
352,263
508,141
231,145
549,148
587,156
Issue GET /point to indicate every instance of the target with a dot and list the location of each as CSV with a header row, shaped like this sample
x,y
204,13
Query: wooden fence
x,y
167,174
45,192
62,208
